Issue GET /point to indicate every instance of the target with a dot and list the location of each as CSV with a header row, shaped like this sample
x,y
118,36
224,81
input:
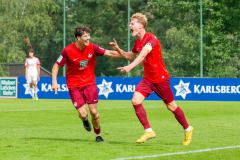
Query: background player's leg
x,y
35,90
31,89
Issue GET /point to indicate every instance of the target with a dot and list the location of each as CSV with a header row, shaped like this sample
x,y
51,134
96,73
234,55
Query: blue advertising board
x,y
122,88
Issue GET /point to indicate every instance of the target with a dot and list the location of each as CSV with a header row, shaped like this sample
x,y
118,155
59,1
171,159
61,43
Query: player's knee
x,y
95,116
82,113
94,112
136,101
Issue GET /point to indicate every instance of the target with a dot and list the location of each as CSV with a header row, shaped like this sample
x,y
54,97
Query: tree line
x,y
175,22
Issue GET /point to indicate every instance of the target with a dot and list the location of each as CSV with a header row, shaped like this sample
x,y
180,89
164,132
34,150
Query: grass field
x,y
51,130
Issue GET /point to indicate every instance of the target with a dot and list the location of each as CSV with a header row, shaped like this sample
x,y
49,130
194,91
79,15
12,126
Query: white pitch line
x,y
177,153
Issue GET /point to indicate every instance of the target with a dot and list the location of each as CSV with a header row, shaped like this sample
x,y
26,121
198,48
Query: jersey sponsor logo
x,y
182,89
83,64
59,58
105,88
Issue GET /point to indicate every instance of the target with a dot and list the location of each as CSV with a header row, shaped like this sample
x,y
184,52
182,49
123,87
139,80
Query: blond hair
x,y
141,18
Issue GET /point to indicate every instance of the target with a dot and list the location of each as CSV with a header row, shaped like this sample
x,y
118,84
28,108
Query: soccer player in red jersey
x,y
147,50
80,59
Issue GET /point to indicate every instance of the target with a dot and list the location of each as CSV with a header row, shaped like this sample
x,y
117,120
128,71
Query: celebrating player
x,y
32,70
147,49
80,59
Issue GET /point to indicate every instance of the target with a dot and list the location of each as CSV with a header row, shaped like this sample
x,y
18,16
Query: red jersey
x,y
80,64
154,68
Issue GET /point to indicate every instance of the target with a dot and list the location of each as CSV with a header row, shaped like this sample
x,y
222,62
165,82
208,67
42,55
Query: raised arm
x,y
127,55
144,52
112,53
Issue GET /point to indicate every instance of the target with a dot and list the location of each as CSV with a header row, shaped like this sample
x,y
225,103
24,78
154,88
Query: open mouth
x,y
131,30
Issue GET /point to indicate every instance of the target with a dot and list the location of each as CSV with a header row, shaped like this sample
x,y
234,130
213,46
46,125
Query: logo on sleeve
x,y
59,58
90,55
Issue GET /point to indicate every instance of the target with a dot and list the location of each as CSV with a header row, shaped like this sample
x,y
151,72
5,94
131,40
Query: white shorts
x,y
31,79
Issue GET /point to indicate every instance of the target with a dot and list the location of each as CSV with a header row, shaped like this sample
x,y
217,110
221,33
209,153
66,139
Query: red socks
x,y
179,115
97,130
142,116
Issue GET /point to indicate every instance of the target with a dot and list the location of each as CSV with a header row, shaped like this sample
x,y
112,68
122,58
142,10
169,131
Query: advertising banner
x,y
8,87
122,88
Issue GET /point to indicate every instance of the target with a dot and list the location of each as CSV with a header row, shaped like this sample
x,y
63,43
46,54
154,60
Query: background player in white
x,y
32,70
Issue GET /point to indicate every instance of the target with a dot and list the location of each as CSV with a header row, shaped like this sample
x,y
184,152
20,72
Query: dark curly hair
x,y
79,31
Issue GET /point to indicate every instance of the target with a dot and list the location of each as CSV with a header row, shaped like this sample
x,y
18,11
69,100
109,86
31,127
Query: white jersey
x,y
31,65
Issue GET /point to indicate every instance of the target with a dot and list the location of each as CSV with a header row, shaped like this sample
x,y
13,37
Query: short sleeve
x,y
152,41
38,62
62,59
99,51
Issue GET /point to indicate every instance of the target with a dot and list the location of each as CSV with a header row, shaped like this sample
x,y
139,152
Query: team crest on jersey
x,y
90,55
83,64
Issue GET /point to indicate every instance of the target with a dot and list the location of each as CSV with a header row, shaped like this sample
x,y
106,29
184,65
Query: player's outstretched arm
x,y
112,54
54,77
144,52
127,55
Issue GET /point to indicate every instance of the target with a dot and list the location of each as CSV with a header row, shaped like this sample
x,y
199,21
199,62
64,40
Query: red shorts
x,y
163,89
83,95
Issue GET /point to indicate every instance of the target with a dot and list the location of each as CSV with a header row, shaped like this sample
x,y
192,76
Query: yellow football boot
x,y
146,136
188,137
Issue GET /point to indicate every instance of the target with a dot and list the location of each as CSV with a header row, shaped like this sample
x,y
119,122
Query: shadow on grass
x,y
60,139
78,140
106,141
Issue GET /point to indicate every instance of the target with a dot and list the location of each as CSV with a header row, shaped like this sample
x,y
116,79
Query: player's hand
x,y
55,87
38,78
124,69
114,44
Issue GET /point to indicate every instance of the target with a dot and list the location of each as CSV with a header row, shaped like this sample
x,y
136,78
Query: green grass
x,y
51,130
